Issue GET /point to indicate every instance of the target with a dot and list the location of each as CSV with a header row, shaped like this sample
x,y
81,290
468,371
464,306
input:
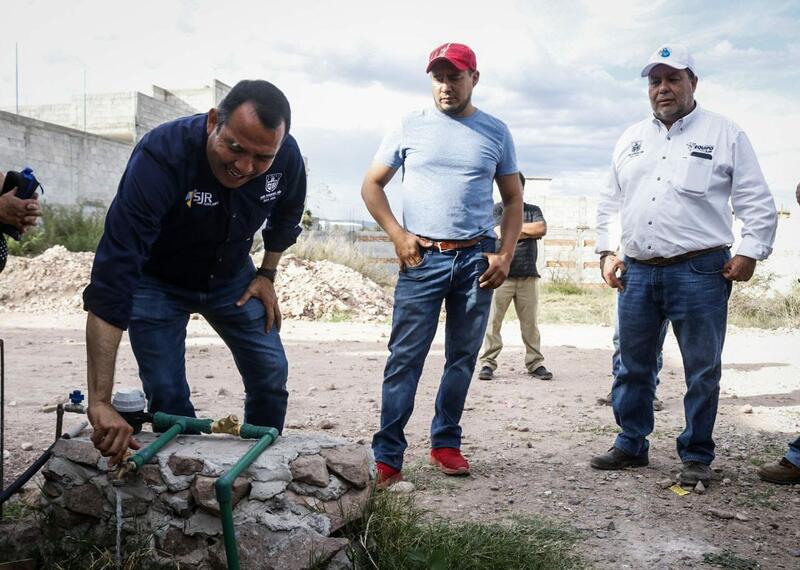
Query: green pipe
x,y
223,486
162,422
171,426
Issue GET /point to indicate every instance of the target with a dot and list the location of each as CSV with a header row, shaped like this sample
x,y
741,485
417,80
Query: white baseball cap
x,y
676,56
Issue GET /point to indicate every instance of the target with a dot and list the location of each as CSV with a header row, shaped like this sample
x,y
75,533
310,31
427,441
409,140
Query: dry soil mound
x,y
53,283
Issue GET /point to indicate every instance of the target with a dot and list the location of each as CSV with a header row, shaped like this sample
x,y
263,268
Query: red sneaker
x,y
449,461
387,476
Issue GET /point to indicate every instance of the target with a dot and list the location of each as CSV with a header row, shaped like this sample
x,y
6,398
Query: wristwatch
x,y
268,273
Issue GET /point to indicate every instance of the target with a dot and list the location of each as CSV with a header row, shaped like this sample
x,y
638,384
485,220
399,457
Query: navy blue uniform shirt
x,y
171,218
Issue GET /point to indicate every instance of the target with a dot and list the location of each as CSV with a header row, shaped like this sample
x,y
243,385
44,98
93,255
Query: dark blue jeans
x,y
693,296
158,333
452,277
793,455
659,360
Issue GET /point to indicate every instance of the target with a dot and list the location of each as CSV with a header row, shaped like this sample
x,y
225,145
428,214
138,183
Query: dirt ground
x,y
529,441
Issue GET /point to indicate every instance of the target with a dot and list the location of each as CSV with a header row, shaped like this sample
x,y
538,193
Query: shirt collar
x,y
683,122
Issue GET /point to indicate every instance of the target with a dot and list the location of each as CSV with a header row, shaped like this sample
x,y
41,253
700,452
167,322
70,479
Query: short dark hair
x,y
271,105
691,74
522,179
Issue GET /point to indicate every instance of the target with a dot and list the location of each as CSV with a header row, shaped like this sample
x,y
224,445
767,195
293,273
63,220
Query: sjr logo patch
x,y
271,187
200,199
636,148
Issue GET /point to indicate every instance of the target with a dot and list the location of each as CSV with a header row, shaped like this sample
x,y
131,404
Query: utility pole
x,y
84,99
16,72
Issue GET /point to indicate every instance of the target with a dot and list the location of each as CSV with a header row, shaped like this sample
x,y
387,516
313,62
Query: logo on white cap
x,y
665,52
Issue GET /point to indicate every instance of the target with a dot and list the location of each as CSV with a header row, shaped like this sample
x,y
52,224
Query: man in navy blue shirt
x,y
177,241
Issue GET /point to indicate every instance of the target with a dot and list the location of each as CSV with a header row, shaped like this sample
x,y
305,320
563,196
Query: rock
x,y
666,483
136,498
180,503
746,409
611,526
350,462
335,489
51,489
403,488
151,475
204,494
720,513
346,508
85,499
78,450
48,408
741,517
265,490
293,553
700,489
326,424
176,543
340,561
310,469
223,393
6,454
726,482
26,446
202,523
185,465
66,472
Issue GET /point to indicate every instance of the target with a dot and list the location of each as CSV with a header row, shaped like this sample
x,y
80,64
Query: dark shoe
x,y
781,472
658,405
486,373
604,401
542,373
618,459
694,471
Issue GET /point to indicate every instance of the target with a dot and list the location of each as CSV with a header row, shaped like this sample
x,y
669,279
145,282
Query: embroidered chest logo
x,y
199,198
636,148
709,148
271,190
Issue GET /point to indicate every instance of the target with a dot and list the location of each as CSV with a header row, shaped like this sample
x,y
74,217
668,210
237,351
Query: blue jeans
x,y
693,296
157,333
793,455
659,360
452,277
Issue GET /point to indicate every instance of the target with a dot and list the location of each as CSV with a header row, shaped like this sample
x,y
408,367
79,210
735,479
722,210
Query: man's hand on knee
x,y
264,290
112,434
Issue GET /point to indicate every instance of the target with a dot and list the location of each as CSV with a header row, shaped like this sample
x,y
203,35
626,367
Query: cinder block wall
x,y
74,167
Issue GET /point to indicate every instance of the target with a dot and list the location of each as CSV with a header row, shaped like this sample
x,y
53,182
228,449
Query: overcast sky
x,y
563,75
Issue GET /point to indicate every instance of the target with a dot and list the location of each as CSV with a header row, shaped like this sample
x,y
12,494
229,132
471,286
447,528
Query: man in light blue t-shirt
x,y
450,156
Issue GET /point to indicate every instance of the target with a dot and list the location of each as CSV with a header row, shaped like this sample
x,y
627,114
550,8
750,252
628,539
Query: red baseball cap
x,y
460,55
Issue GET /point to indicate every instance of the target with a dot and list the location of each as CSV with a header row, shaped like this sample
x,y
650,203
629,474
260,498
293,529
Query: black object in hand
x,y
26,184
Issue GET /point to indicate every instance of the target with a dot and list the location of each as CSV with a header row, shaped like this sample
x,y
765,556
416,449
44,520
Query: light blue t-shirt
x,y
448,166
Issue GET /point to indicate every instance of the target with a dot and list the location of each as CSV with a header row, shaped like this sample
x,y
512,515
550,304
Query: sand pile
x,y
54,281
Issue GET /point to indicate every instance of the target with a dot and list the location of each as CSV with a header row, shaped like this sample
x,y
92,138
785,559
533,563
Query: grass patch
x,y
759,498
340,249
591,306
70,226
394,535
727,559
755,304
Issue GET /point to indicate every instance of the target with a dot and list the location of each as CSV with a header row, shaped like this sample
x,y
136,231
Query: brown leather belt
x,y
447,245
665,261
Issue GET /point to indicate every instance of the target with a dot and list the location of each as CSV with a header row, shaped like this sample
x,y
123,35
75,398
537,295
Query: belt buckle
x,y
439,246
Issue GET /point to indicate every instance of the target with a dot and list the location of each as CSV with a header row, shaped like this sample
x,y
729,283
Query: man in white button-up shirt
x,y
675,178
